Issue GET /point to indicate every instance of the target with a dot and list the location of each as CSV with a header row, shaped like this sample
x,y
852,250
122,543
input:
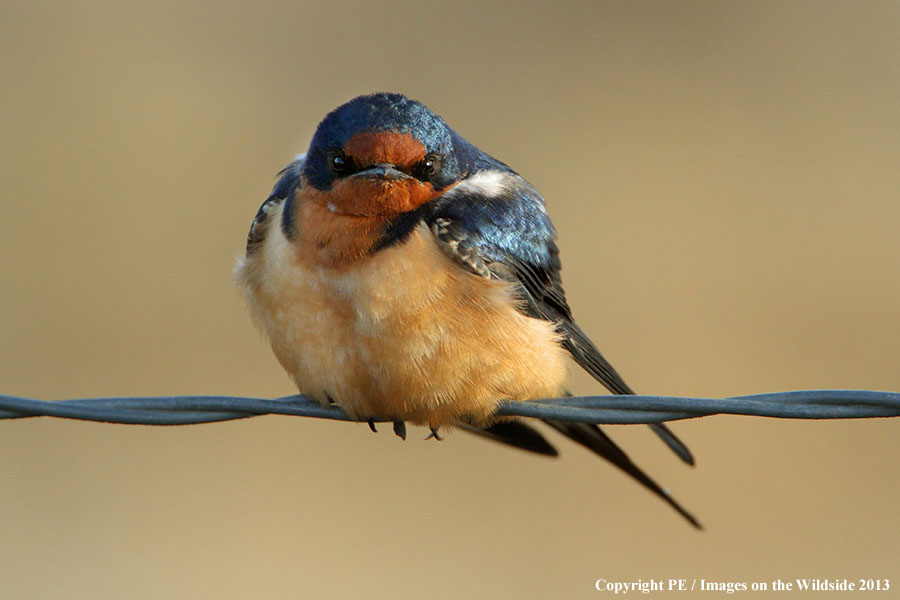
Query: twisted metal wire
x,y
189,410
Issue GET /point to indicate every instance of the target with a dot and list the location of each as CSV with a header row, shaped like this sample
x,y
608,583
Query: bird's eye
x,y
429,165
339,162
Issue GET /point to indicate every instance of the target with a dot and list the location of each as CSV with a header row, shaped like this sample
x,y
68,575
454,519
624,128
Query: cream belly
x,y
405,334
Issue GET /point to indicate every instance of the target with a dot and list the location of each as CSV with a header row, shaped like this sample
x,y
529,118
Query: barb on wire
x,y
188,410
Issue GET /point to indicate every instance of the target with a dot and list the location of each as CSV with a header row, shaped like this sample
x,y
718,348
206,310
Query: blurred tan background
x,y
724,177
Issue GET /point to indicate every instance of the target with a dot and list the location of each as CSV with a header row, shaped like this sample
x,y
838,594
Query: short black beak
x,y
382,171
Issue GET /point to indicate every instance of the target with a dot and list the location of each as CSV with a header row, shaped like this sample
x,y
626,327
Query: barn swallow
x,y
405,275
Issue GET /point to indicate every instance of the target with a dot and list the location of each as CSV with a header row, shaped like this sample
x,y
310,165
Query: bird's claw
x,y
400,429
372,425
434,434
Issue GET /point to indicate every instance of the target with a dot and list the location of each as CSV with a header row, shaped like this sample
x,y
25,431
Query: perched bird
x,y
407,276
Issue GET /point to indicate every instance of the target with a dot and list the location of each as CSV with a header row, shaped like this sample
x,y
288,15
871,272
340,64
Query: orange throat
x,y
365,197
348,222
329,238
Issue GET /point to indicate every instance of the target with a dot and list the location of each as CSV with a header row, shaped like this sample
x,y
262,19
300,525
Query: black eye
x,y
339,162
428,166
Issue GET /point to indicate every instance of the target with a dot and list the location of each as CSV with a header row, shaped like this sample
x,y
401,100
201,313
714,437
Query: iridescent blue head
x,y
381,164
386,136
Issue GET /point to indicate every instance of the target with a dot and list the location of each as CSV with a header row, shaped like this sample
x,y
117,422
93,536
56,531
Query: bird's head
x,y
382,155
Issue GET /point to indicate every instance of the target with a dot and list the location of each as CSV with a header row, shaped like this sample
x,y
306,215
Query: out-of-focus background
x,y
724,178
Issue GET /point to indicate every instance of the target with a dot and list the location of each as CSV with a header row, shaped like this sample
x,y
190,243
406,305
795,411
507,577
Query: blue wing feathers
x,y
285,188
512,224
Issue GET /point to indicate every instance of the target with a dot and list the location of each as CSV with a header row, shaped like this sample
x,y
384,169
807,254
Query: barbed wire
x,y
190,410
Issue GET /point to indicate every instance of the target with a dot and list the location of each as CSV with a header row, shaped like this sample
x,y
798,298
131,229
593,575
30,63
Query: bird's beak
x,y
382,171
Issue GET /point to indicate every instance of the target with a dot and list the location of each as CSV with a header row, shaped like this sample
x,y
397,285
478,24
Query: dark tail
x,y
588,356
514,433
593,438
524,436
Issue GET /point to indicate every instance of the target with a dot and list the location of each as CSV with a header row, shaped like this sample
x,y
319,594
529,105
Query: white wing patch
x,y
488,183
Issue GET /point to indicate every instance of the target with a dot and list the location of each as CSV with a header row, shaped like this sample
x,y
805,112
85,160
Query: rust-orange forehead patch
x,y
400,149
